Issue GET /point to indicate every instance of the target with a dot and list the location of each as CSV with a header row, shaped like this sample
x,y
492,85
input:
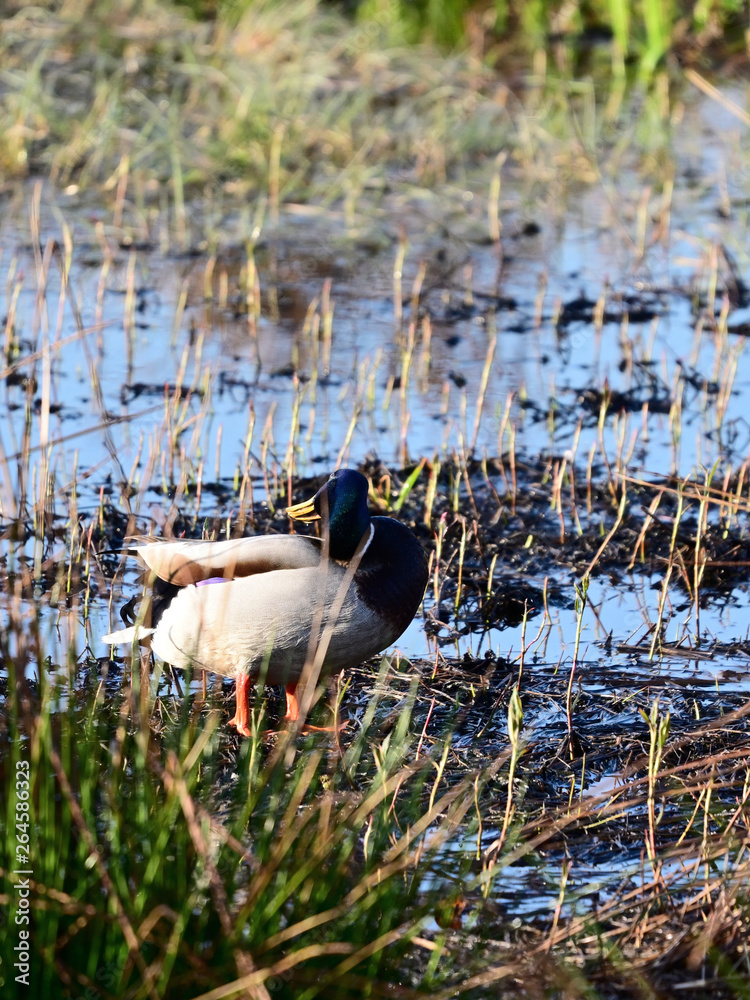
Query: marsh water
x,y
140,365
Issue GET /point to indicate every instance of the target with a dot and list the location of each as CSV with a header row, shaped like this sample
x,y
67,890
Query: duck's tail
x,y
133,634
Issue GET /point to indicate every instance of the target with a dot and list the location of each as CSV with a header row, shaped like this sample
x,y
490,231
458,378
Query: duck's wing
x,y
187,561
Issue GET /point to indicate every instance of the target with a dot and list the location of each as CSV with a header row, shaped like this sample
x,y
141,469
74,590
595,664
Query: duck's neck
x,y
346,528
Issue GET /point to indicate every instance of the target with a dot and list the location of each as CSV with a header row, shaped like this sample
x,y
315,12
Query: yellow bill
x,y
304,511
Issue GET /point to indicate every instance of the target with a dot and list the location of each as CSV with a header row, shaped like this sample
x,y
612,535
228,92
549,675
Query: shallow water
x,y
152,326
600,292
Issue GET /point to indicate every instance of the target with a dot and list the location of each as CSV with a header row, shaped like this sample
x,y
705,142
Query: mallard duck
x,y
279,608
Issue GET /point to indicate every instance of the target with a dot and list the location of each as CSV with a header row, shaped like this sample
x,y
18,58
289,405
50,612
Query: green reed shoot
x,y
658,732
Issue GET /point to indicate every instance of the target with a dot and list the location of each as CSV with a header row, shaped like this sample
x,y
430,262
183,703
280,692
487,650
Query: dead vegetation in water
x,y
564,826
499,819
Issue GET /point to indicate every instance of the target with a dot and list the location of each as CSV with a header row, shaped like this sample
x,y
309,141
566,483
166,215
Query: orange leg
x,y
292,714
292,705
242,709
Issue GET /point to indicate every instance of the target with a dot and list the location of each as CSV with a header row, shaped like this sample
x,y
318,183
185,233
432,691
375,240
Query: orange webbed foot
x,y
242,727
320,729
292,715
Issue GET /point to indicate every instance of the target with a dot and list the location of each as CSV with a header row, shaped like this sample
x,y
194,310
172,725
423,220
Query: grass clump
x,y
289,101
166,863
643,33
170,861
